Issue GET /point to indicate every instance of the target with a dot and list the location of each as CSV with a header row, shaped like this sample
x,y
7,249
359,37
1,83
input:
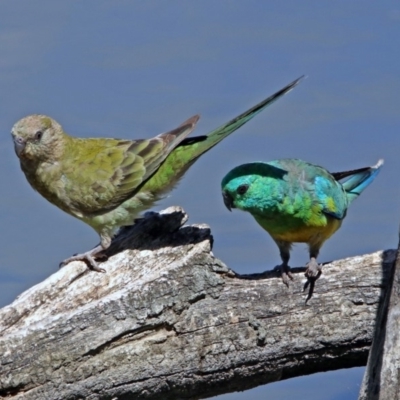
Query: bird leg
x,y
87,257
313,272
286,275
284,249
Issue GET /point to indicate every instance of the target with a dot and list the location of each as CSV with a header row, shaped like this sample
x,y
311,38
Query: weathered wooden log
x,y
168,321
382,375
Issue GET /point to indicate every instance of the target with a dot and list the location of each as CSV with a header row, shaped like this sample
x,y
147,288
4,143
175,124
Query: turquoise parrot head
x,y
244,187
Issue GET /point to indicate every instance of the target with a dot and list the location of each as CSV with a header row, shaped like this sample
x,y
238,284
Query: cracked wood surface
x,y
170,321
382,375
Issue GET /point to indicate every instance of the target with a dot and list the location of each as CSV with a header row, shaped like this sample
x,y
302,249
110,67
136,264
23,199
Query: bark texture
x,y
382,375
170,321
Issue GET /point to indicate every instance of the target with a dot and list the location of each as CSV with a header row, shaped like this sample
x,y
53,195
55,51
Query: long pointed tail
x,y
190,149
215,136
359,179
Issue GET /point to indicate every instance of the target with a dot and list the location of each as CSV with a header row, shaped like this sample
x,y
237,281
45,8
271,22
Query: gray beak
x,y
228,200
19,145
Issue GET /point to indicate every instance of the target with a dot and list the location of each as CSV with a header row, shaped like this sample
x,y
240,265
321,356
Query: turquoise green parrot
x,y
107,183
295,201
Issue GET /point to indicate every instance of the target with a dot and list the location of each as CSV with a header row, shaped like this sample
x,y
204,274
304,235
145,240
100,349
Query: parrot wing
x,y
331,196
113,170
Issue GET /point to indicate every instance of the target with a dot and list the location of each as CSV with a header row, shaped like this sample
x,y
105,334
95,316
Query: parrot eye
x,y
38,135
242,189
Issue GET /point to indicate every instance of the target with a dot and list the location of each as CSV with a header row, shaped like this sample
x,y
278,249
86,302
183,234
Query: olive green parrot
x,y
107,183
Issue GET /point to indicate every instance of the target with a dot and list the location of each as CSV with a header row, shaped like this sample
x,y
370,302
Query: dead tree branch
x,y
382,376
170,321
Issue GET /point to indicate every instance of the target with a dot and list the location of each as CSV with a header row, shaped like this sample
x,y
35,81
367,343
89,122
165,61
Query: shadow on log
x,y
170,321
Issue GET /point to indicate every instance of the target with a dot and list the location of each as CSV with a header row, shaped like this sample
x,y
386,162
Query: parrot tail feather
x,y
359,179
215,136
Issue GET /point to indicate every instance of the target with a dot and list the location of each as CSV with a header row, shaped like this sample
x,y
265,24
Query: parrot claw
x,y
88,258
286,275
313,272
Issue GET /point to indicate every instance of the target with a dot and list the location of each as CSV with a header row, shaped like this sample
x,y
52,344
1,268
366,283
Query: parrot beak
x,y
228,200
19,145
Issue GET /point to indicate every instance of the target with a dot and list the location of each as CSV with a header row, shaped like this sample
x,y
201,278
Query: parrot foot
x,y
313,272
87,257
286,275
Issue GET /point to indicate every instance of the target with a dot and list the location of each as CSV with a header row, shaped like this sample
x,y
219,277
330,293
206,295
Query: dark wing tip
x,y
191,121
184,128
